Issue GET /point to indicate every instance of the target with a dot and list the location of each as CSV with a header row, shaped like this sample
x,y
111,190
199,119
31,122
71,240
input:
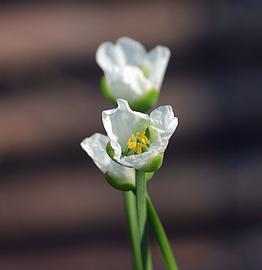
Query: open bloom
x,y
138,140
131,72
135,141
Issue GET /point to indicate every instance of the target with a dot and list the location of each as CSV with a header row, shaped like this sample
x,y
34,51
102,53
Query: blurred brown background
x,y
56,209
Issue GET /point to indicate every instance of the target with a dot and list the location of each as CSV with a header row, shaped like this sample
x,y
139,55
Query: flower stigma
x,y
138,142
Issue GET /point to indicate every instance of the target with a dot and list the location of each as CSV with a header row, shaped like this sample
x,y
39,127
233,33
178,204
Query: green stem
x,y
145,250
141,202
130,201
142,219
161,237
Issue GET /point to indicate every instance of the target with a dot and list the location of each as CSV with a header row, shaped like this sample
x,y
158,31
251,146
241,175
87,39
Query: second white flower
x,y
132,73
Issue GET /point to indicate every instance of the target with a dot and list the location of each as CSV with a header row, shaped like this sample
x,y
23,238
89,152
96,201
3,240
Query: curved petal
x,y
95,146
141,160
127,82
108,55
156,61
133,51
121,123
165,123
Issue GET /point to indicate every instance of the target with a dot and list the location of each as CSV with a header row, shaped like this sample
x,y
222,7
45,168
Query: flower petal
x,y
165,123
121,123
127,82
95,146
157,60
133,51
108,55
143,160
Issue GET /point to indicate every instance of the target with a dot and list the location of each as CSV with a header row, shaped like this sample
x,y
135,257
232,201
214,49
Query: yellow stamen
x,y
131,142
138,149
137,142
144,139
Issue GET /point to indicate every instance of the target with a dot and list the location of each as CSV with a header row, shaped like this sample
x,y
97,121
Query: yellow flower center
x,y
138,142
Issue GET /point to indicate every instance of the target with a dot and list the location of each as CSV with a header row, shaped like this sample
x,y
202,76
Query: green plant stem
x,y
145,251
161,237
141,204
130,202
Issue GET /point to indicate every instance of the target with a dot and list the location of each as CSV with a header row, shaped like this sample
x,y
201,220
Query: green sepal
x,y
149,175
143,104
123,185
119,183
154,164
106,90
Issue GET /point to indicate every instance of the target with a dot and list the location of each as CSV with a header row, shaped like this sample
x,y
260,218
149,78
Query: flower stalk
x,y
141,204
161,237
145,250
130,202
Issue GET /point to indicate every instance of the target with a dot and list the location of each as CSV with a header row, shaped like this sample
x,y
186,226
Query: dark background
x,y
56,209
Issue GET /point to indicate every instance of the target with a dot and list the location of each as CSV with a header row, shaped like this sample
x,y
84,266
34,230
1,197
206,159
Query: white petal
x,y
156,61
139,161
127,82
108,55
133,51
95,146
165,123
121,123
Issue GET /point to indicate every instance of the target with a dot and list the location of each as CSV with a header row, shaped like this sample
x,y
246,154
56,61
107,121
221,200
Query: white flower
x,y
131,72
135,141
138,140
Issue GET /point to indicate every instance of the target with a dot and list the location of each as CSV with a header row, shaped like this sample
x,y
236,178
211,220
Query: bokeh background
x,y
56,209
